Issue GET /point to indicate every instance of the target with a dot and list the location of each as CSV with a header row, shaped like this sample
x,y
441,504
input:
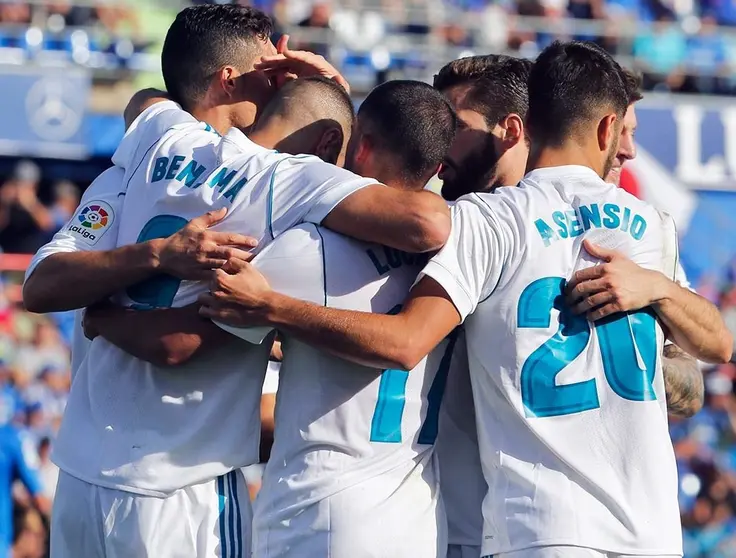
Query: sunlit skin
x,y
626,147
481,158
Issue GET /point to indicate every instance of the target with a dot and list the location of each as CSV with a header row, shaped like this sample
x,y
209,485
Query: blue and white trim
x,y
230,519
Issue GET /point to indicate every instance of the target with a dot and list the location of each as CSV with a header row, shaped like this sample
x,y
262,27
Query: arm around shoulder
x,y
409,221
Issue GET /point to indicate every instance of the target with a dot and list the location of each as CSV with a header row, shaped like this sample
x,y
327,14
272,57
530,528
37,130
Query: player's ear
x,y
608,131
330,144
513,130
226,77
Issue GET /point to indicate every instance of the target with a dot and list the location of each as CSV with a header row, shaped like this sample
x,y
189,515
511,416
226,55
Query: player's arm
x,y
408,221
683,382
400,341
70,273
164,337
436,305
308,190
172,336
620,285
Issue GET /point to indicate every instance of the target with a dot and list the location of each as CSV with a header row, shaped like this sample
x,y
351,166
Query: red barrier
x,y
14,262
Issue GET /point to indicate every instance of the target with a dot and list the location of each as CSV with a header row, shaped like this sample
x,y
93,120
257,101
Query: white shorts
x,y
570,552
373,519
463,551
209,520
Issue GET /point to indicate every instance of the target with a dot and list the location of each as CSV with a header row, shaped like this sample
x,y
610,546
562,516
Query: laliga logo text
x,y
91,219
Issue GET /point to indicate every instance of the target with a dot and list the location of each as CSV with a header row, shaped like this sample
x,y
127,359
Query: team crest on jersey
x,y
91,222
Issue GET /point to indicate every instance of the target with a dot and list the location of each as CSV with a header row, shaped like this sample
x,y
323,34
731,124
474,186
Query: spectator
x,y
660,53
46,351
24,221
319,19
16,462
48,471
706,60
66,200
30,539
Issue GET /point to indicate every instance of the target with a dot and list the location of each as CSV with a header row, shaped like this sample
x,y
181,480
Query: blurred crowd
x,y
679,45
27,221
684,46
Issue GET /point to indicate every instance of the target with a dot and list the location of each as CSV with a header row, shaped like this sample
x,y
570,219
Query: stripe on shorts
x,y
221,498
238,518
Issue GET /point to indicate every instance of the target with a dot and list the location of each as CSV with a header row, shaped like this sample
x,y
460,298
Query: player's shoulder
x,y
499,208
109,182
623,198
303,241
149,127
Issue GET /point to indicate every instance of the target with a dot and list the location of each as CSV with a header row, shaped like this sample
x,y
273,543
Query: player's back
x,y
351,471
160,429
572,415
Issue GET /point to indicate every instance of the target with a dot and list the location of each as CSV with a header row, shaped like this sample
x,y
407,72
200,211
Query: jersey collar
x,y
564,171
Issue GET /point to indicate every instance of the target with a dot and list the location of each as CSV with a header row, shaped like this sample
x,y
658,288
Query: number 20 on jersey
x,y
628,344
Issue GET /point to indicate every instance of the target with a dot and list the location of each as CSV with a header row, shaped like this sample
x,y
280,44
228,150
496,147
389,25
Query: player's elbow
x,y
432,226
407,356
35,297
724,353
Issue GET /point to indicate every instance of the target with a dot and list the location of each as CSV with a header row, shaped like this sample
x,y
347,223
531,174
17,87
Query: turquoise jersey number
x,y
389,411
622,338
159,291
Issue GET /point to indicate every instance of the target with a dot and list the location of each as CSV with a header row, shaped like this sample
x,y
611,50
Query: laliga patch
x,y
91,222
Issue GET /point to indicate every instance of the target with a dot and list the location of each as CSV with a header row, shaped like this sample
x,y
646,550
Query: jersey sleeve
x,y
94,225
147,129
25,462
305,189
469,266
293,265
681,278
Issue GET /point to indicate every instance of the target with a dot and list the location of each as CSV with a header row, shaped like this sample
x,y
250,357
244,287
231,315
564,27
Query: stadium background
x,y
68,67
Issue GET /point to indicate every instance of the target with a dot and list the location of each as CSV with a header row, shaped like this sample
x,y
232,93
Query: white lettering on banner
x,y
690,167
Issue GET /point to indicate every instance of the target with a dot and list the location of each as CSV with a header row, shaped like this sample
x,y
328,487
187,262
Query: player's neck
x,y
218,117
565,155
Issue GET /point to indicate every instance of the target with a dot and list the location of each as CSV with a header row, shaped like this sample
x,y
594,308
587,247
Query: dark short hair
x,y
204,38
633,82
496,84
316,96
412,123
569,85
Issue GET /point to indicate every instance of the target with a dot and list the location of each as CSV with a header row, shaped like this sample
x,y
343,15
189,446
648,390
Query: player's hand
x,y
616,285
194,251
90,318
238,295
290,64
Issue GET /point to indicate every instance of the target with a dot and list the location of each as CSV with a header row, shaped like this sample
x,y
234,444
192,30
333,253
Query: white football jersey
x,y
571,416
157,430
352,462
463,486
102,198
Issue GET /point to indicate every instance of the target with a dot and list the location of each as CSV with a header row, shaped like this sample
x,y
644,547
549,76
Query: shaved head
x,y
305,109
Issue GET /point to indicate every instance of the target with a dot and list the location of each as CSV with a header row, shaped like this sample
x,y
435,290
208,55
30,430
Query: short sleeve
x,y
293,265
94,224
306,189
681,278
469,266
147,129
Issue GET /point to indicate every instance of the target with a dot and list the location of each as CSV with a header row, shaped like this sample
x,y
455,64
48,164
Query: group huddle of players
x,y
458,380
